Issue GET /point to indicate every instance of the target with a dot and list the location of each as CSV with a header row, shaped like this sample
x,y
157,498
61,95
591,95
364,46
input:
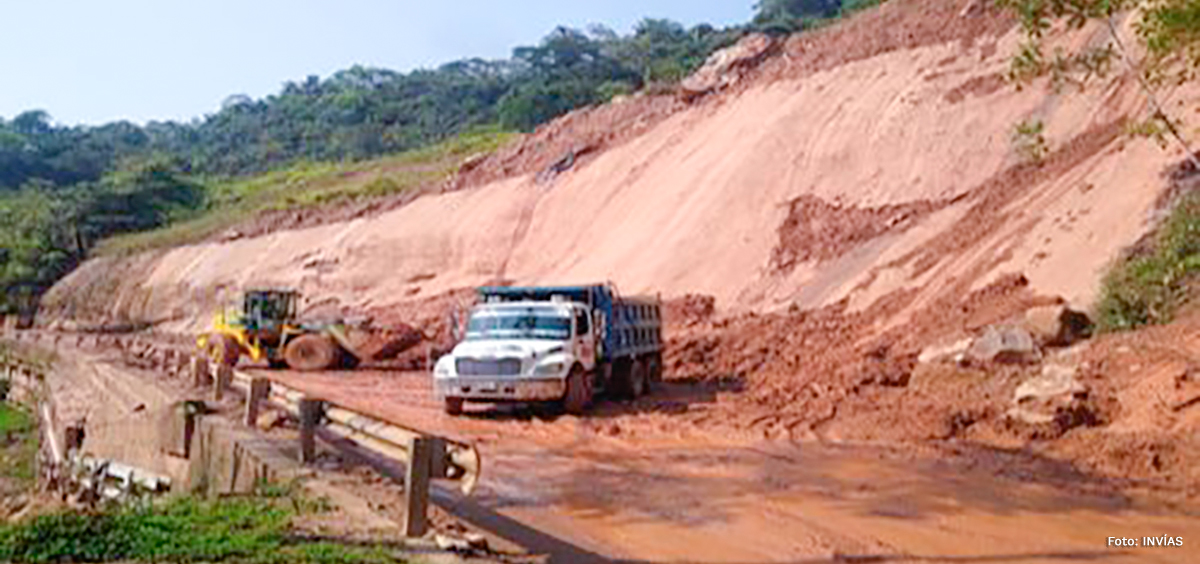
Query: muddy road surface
x,y
640,483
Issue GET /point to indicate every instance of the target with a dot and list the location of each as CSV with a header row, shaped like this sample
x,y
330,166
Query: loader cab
x,y
265,313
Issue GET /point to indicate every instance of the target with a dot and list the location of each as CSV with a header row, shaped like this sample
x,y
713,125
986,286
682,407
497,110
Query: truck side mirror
x,y
455,329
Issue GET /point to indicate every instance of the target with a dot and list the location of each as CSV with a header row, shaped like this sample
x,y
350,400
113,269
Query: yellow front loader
x,y
267,329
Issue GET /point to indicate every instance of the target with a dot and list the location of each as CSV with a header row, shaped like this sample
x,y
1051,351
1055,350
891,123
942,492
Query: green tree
x,y
1168,30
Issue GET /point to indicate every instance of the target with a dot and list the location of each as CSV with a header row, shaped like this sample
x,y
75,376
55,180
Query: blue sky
x,y
94,61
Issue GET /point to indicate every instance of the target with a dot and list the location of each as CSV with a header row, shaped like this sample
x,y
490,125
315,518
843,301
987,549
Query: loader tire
x,y
222,350
312,352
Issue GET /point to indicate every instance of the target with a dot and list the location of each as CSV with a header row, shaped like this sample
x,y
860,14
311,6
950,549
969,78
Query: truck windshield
x,y
533,323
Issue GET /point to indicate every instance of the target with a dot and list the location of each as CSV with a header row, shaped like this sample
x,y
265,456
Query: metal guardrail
x,y
425,456
460,461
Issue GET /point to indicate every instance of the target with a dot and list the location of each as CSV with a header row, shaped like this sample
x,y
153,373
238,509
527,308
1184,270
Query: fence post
x,y
260,389
200,373
416,487
224,377
310,416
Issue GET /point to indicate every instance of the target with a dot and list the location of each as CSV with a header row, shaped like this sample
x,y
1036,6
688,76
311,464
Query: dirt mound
x,y
832,375
689,309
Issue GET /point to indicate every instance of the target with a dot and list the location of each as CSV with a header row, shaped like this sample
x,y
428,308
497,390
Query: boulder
x,y
724,67
950,353
1053,396
1057,325
1006,344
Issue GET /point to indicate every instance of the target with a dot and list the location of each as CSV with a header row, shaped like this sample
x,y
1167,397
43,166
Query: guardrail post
x,y
260,390
222,381
73,436
416,487
200,372
310,417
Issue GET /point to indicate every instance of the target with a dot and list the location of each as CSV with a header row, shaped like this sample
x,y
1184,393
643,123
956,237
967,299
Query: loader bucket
x,y
378,343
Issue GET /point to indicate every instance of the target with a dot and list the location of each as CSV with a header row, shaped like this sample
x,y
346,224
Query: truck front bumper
x,y
500,389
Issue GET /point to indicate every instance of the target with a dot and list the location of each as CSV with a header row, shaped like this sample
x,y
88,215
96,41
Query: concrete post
x,y
73,436
310,416
260,390
416,487
200,372
223,379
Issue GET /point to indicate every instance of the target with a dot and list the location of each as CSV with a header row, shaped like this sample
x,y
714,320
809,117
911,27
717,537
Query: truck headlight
x,y
443,370
549,369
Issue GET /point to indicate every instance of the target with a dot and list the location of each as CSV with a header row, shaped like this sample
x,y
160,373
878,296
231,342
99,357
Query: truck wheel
x,y
654,369
579,394
453,406
222,350
639,383
312,352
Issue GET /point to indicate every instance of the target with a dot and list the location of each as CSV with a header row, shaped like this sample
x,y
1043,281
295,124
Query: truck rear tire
x,y
639,380
453,406
654,370
312,352
578,395
630,379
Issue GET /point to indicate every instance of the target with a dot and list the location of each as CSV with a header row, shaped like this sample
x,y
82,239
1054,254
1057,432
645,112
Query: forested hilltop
x,y
63,188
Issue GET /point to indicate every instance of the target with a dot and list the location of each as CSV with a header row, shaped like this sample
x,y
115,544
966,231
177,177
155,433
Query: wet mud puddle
x,y
682,502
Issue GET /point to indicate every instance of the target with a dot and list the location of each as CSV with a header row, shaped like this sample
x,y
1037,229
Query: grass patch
x,y
250,530
309,185
1149,288
18,457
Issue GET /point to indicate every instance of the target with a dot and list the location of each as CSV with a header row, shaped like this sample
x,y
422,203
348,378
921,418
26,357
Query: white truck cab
x,y
520,351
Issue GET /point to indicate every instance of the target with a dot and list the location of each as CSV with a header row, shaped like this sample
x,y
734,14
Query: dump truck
x,y
267,328
560,344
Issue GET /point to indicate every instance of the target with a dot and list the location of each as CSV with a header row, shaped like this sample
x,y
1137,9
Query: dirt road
x,y
632,484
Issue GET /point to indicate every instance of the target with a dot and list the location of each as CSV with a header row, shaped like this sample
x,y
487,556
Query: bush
x,y
1148,288
183,530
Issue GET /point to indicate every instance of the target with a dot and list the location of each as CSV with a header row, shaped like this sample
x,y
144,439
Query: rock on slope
x,y
867,159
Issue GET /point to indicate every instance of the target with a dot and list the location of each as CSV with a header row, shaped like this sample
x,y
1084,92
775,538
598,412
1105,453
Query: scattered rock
x,y
953,353
271,419
1003,344
1055,398
1057,325
722,69
972,8
469,543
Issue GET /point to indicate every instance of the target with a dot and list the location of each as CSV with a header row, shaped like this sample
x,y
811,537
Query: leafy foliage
x,y
18,456
1029,140
229,202
45,231
254,530
789,16
1149,288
